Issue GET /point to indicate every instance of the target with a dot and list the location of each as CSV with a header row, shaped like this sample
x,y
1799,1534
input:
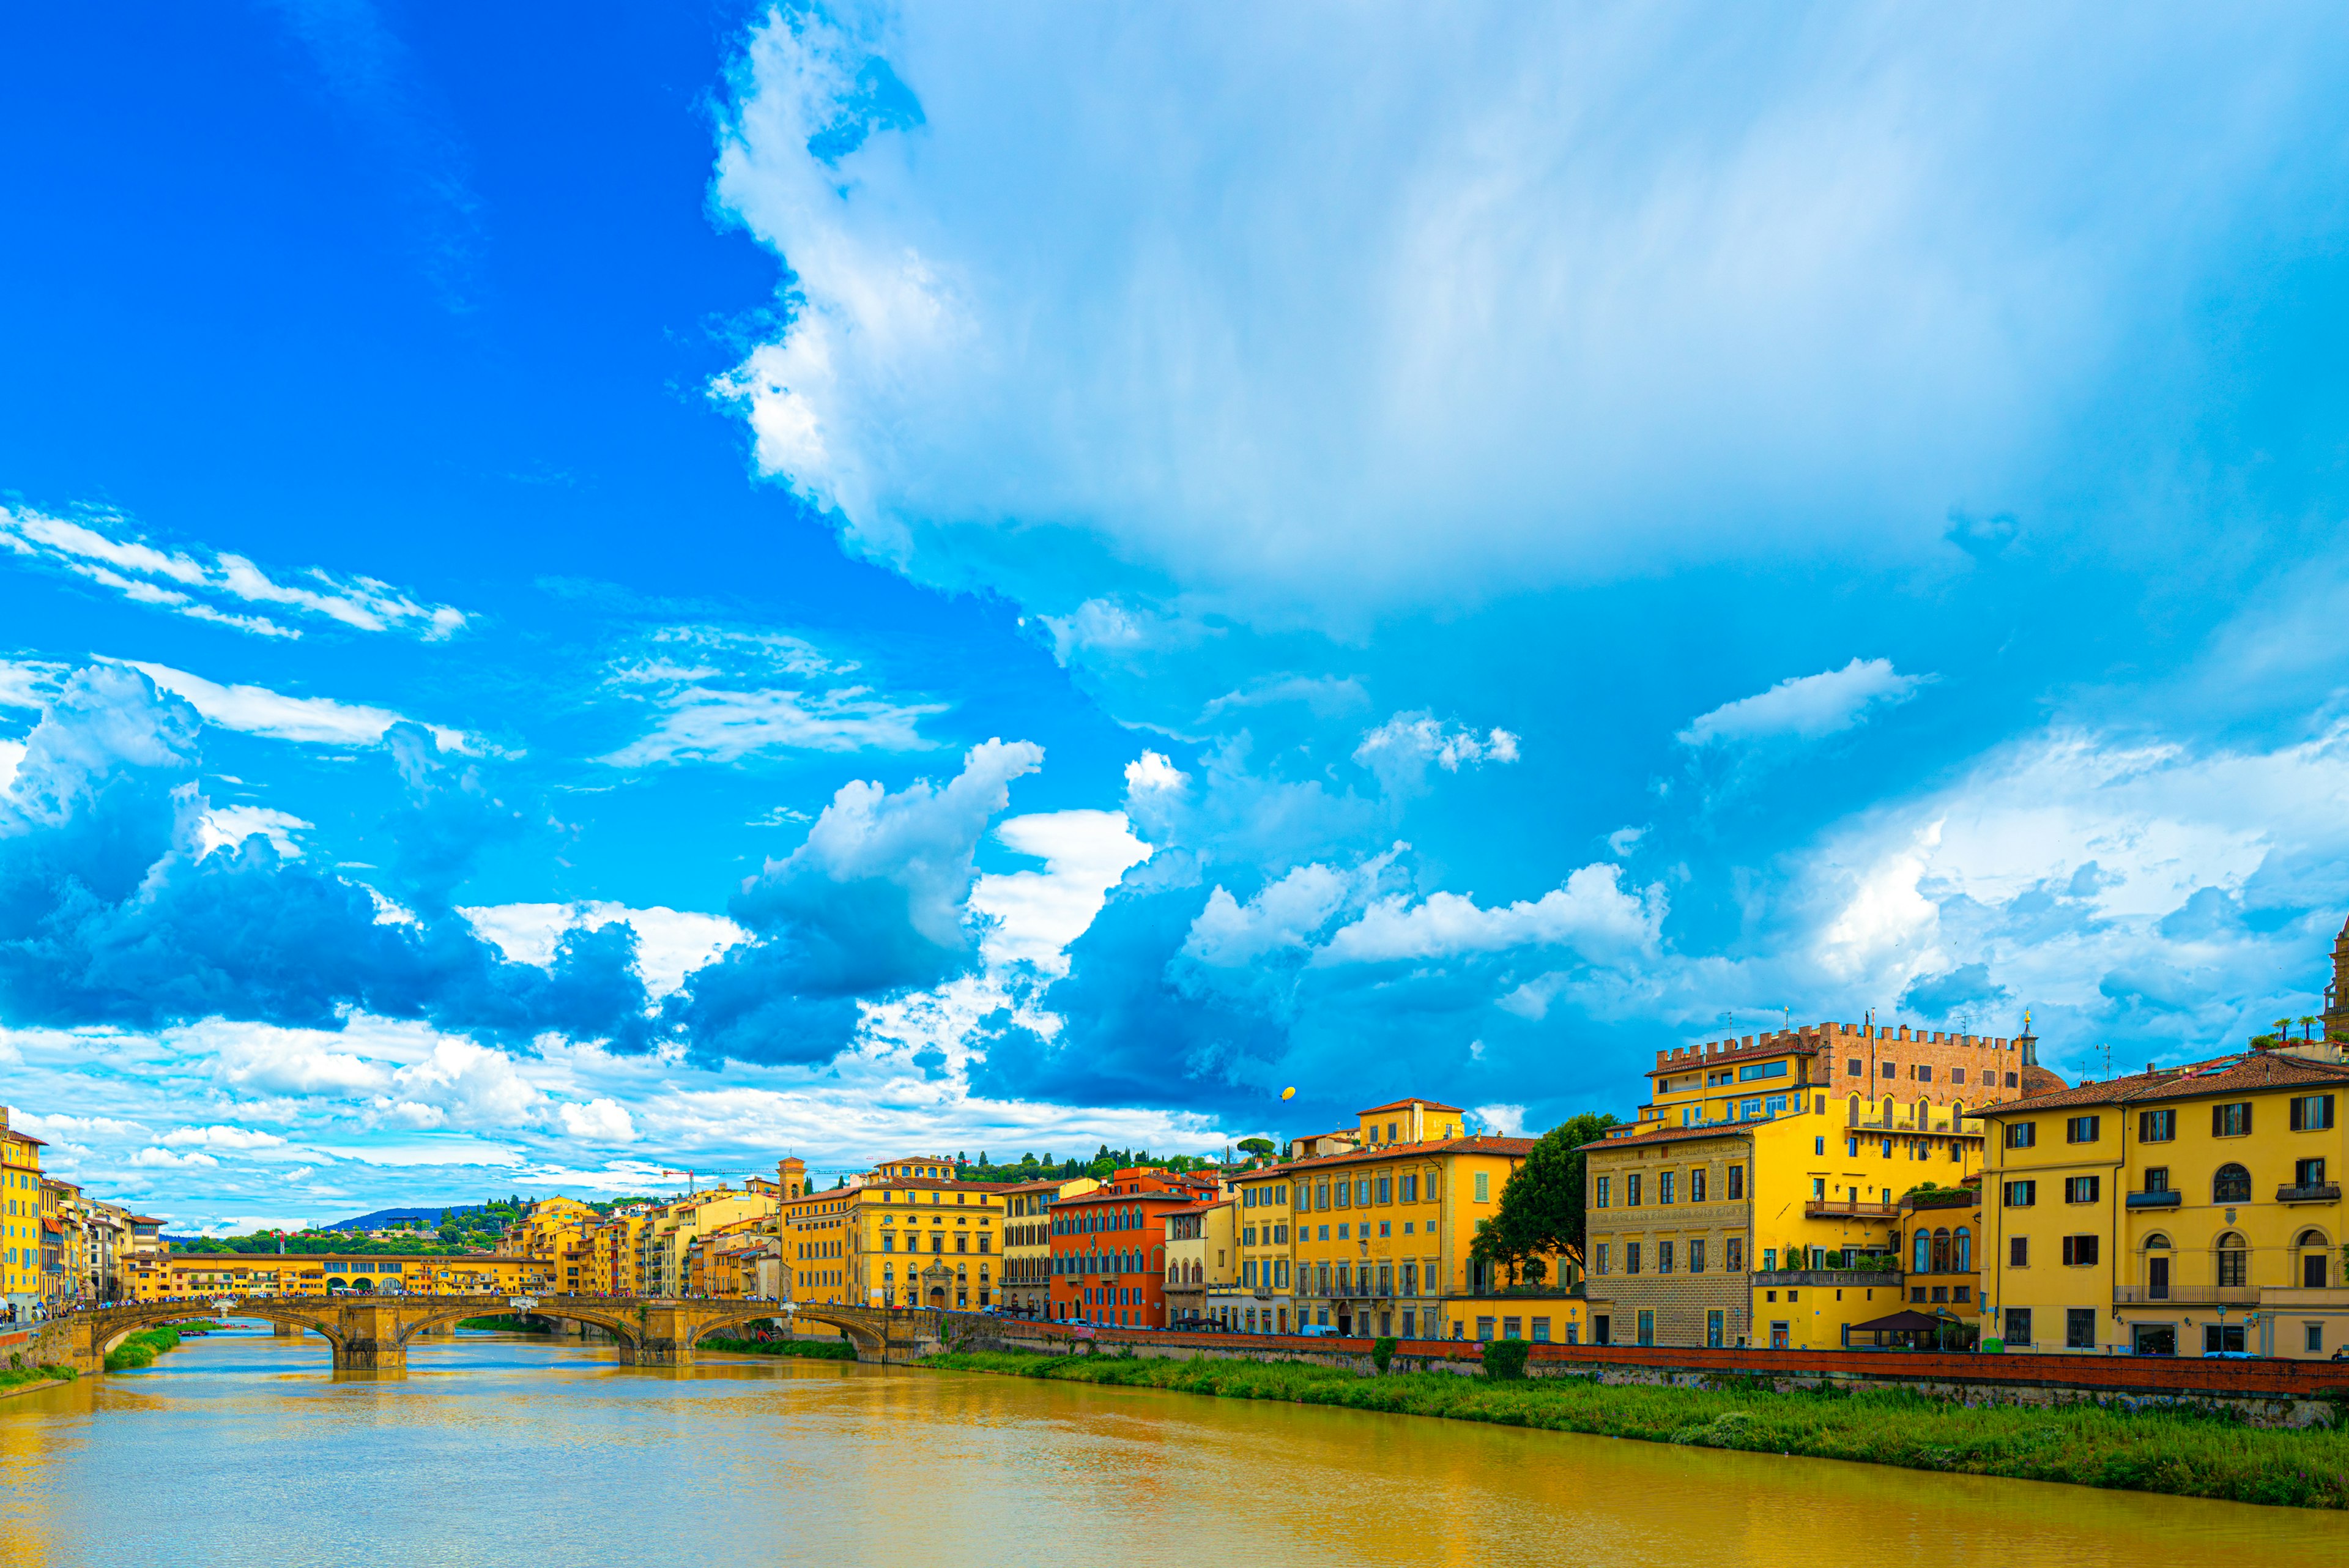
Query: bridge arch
x,y
617,1320
859,1330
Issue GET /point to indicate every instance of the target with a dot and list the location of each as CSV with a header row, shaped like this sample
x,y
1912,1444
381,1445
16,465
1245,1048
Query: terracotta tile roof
x,y
1481,1144
1406,1105
2241,1073
1672,1135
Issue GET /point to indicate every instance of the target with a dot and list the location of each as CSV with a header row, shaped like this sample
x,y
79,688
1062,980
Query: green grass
x,y
17,1376
143,1347
812,1349
2183,1452
508,1325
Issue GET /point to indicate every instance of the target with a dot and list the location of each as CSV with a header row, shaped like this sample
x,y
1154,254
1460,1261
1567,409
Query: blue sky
x,y
597,591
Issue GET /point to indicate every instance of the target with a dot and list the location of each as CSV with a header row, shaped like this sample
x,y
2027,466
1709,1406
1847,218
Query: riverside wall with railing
x,y
2263,1392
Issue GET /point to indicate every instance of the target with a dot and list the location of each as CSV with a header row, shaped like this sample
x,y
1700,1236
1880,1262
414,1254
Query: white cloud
x,y
1036,915
12,752
1152,773
1325,319
1287,914
460,1084
670,943
257,711
164,1160
226,826
711,725
599,1121
237,1139
1400,750
30,682
196,582
1509,1121
265,1059
1806,707
1592,914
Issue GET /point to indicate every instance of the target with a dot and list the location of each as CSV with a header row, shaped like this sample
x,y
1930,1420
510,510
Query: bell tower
x,y
2336,991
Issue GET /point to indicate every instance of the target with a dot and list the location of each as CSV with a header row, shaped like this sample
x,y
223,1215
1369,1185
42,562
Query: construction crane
x,y
687,1174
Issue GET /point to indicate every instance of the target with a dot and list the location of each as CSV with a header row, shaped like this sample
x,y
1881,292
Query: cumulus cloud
x,y
102,548
1400,750
227,826
599,1121
670,943
1591,913
1034,915
1319,319
872,904
1806,707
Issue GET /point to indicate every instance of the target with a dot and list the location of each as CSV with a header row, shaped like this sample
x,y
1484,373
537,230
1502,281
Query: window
x,y
1733,1254
1890,1071
2312,1113
2233,1260
1386,1190
1541,1331
2313,1338
1632,1190
1712,1328
1961,1252
1854,1069
1736,1182
1956,1075
2231,1121
2021,1194
1770,1263
1663,1257
2079,1328
2219,1338
2079,1250
2018,1325
2306,1173
2018,1252
2156,1178
1818,1187
1819,1146
1410,1189
1851,1149
1345,1194
1753,1069
2012,1079
1606,1189
2156,1127
2022,1135
2081,1189
2231,1185
2081,1129
1605,1262
1484,1187
1696,1187
1664,1182
1696,1255
1631,1257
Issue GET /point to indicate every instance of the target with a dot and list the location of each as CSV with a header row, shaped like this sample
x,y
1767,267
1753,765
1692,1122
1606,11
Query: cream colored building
x,y
1202,1264
1026,1283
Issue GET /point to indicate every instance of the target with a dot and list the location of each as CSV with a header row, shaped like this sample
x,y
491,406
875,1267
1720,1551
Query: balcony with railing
x,y
1848,1208
2186,1295
2309,1193
2165,1199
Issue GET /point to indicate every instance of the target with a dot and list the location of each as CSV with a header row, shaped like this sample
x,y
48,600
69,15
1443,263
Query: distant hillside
x,y
432,1219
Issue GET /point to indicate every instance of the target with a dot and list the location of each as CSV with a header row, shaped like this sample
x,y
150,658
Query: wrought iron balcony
x,y
2316,1192
1848,1208
2168,1199
2186,1295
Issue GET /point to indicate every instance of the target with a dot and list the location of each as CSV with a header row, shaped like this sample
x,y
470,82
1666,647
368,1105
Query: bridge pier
x,y
370,1341
663,1339
285,1330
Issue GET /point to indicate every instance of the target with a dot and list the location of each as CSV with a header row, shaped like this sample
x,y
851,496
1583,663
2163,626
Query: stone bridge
x,y
371,1333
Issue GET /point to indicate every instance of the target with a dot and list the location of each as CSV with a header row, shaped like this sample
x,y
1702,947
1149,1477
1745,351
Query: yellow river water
x,y
244,1450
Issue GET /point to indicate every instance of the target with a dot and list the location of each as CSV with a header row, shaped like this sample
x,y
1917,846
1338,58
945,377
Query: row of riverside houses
x,y
60,1249
1834,1186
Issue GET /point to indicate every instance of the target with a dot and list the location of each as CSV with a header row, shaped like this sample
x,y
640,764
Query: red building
x,y
1109,1248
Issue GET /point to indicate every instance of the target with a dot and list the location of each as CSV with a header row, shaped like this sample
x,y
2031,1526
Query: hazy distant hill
x,y
431,1217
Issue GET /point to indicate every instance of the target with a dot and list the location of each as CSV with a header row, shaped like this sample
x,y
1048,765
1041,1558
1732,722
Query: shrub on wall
x,y
1506,1358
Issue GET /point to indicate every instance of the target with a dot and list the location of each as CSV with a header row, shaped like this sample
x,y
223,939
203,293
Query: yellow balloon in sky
x,y
1290,1093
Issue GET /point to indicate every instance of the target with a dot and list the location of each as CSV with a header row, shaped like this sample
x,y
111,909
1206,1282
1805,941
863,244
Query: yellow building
x,y
195,1276
1026,1281
1260,1298
663,1245
1203,1265
21,1288
2189,1210
1758,1198
1379,1234
898,1241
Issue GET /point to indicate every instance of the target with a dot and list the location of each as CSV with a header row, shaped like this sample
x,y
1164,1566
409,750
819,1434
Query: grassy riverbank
x,y
2183,1453
13,1378
143,1347
508,1325
811,1349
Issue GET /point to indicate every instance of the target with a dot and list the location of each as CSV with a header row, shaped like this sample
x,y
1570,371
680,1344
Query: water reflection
x,y
499,1449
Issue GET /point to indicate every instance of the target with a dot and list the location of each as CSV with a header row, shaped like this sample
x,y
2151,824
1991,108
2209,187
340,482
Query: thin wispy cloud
x,y
1806,706
224,590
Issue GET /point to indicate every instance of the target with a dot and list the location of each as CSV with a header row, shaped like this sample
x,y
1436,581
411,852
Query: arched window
x,y
2234,1259
1962,1249
1855,1110
1924,1117
1888,1110
2311,1238
2231,1185
1941,1251
1923,1262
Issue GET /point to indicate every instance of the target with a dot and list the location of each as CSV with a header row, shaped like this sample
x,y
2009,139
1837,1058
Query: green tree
x,y
1544,1208
1261,1147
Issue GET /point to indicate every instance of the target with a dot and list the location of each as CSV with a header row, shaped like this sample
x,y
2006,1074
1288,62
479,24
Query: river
x,y
241,1449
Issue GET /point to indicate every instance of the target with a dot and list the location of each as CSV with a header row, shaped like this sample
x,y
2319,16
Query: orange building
x,y
1109,1248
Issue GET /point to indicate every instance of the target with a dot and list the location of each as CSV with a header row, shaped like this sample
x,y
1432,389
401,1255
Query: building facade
x,y
1027,1285
1109,1248
1203,1265
21,1278
2188,1211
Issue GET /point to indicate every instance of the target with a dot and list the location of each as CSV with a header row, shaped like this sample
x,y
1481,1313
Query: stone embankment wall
x,y
2265,1393
48,1344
